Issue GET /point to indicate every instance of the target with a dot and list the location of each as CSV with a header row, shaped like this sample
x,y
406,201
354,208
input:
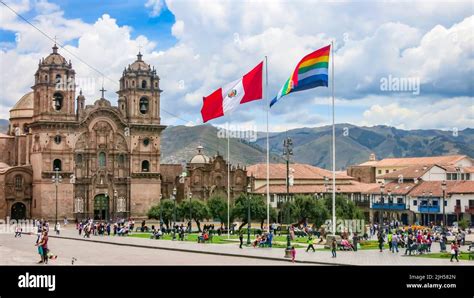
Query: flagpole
x,y
333,146
228,185
268,147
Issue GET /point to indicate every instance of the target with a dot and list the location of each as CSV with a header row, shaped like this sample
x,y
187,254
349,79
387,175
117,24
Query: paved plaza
x,y
110,250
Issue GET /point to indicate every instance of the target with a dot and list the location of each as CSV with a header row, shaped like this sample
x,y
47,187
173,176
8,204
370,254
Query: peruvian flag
x,y
225,99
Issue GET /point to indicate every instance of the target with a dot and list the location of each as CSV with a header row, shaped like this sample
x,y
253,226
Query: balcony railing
x,y
469,209
457,209
387,206
428,209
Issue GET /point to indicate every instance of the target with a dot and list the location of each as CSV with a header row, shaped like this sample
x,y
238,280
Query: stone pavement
x,y
361,257
22,251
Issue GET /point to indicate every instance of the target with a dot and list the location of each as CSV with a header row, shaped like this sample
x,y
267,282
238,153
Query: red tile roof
x,y
301,171
410,172
410,161
355,187
394,187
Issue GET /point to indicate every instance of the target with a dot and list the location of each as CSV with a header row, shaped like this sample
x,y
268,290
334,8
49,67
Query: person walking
x,y
293,254
241,239
381,241
355,240
310,244
57,228
454,251
394,243
333,247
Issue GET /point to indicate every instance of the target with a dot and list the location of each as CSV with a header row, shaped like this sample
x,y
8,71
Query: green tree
x,y
164,210
345,208
199,211
308,209
258,210
218,209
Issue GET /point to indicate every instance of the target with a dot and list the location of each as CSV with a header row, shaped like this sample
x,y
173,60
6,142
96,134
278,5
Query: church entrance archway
x,y
18,211
101,207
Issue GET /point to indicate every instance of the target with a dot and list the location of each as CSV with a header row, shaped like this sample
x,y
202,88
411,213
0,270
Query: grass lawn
x,y
444,255
216,239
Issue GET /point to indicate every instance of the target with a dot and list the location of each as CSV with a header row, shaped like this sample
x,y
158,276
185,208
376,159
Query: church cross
x,y
102,90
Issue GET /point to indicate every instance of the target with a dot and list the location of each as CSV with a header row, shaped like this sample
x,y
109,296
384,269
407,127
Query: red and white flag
x,y
225,99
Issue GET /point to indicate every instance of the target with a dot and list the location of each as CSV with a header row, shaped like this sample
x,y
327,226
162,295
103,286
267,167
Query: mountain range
x,y
354,144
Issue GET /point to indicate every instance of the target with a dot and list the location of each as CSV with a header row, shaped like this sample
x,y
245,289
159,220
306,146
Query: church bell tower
x,y
54,89
139,94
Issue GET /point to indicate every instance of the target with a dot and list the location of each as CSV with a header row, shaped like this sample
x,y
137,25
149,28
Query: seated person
x,y
257,240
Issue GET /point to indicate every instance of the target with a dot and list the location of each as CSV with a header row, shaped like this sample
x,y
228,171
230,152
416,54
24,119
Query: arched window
x,y
57,101
57,139
156,84
79,159
58,79
143,105
143,84
46,78
121,159
102,159
145,166
18,182
133,83
57,165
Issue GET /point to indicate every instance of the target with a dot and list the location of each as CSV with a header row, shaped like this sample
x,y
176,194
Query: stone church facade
x,y
107,158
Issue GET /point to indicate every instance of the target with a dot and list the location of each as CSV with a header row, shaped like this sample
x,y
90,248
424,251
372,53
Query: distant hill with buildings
x,y
354,144
3,126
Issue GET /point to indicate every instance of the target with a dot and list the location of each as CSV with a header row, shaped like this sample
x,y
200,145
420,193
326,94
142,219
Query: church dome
x,y
24,107
139,64
199,158
55,58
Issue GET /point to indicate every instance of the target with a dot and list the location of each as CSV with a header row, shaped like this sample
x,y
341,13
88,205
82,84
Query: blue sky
x,y
197,46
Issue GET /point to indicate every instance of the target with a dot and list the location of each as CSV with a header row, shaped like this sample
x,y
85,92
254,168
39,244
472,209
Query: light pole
x,y
249,189
190,213
382,187
443,187
429,207
423,214
389,197
174,213
326,183
287,152
115,203
161,211
56,179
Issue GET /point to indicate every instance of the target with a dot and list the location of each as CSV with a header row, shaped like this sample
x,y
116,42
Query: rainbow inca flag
x,y
311,72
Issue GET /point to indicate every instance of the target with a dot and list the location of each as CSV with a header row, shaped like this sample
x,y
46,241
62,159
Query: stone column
x,y
28,135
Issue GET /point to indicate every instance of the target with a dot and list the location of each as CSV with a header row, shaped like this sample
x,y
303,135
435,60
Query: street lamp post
x,y
443,187
389,198
174,213
429,207
56,179
190,214
161,211
115,204
249,189
423,221
382,187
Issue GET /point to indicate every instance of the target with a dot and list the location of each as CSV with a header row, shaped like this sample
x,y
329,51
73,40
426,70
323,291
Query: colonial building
x,y
106,158
203,178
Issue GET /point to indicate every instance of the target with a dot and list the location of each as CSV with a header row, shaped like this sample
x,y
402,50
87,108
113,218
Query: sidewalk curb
x,y
200,252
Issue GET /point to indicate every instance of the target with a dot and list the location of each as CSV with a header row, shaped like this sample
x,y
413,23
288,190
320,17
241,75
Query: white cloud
x,y
424,114
218,42
156,7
